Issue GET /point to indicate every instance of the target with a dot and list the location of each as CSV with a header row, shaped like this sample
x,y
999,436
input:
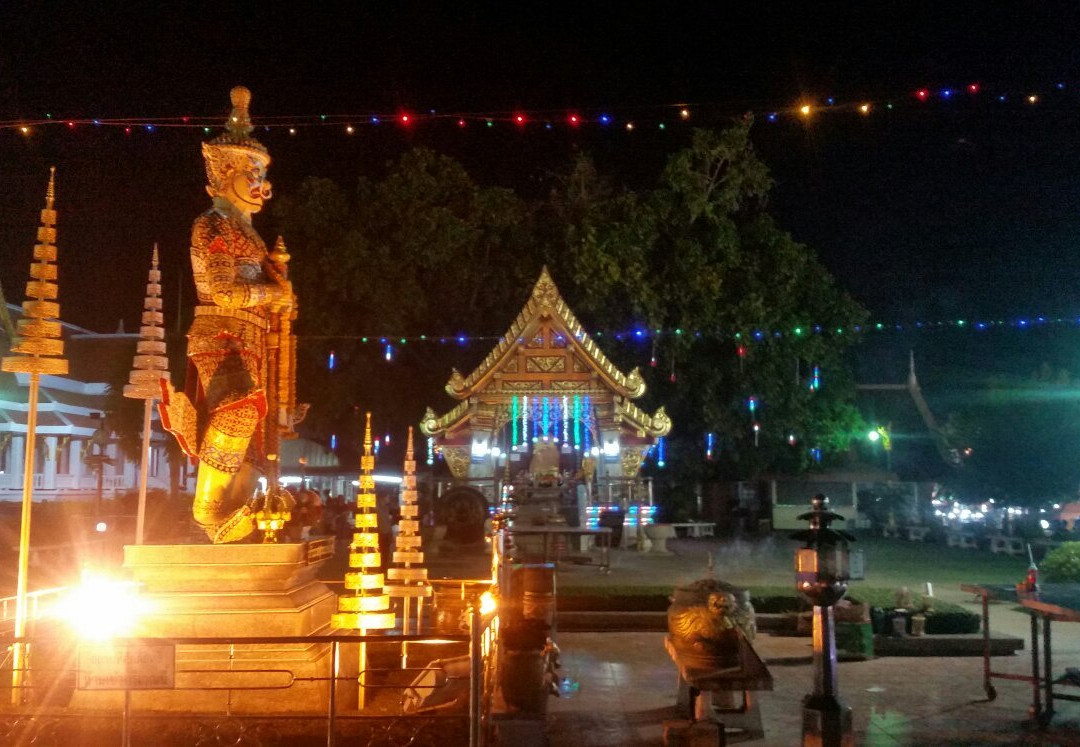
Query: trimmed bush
x,y
1062,564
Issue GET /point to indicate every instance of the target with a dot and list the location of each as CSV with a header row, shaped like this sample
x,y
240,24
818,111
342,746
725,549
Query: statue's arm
x,y
227,290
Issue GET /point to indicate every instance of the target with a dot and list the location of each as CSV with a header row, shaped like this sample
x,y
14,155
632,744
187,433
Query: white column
x,y
50,463
15,461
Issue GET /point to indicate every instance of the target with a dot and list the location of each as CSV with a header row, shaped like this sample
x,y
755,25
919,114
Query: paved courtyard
x,y
628,684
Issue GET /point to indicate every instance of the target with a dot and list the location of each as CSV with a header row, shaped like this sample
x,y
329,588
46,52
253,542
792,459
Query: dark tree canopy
x,y
423,249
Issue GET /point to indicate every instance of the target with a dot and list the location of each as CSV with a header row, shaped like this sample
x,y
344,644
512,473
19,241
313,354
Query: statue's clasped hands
x,y
282,298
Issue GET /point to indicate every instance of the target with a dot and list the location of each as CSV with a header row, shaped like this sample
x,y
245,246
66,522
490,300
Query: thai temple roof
x,y
545,301
546,313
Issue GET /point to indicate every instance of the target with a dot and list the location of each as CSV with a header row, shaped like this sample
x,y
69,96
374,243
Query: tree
x,y
745,311
421,250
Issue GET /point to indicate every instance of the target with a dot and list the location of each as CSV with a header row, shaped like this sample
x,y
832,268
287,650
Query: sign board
x,y
127,666
857,565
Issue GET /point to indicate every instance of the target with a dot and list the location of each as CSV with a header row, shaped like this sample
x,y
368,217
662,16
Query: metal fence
x,y
39,720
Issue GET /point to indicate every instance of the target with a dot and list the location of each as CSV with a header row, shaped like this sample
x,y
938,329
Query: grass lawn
x,y
889,564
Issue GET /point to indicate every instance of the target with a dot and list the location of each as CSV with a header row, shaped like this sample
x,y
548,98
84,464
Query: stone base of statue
x,y
233,591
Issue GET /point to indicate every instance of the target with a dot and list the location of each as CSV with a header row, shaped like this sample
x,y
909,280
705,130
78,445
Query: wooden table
x,y
1053,603
696,684
547,532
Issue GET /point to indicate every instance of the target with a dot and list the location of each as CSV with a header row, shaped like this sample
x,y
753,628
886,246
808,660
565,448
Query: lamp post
x,y
821,575
883,434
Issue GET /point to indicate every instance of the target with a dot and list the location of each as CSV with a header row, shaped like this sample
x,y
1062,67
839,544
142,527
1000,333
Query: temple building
x,y
547,410
70,424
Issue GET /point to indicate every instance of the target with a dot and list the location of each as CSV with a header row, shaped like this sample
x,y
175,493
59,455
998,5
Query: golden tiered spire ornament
x,y
240,292
38,350
408,579
149,369
368,608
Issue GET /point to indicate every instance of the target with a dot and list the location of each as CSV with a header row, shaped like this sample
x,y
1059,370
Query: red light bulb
x,y
520,119
921,94
574,119
404,119
973,88
461,123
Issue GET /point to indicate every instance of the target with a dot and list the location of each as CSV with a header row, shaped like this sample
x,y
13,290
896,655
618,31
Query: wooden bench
x,y
961,539
916,534
694,529
1001,544
697,686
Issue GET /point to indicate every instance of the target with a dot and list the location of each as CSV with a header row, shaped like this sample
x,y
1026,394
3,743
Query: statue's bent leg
x,y
225,482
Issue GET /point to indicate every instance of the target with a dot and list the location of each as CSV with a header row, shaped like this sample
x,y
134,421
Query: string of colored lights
x,y
757,335
624,117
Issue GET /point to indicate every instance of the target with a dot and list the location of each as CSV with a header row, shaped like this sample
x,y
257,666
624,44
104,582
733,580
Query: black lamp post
x,y
821,575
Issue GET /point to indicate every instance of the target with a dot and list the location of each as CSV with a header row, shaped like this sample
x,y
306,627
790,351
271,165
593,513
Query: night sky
x,y
935,210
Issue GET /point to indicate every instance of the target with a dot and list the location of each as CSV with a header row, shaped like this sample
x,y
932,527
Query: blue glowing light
x,y
333,441
605,119
772,117
660,453
331,362
830,101
374,120
946,93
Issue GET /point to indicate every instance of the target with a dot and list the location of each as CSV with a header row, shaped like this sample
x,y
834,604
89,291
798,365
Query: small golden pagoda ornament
x,y
150,365
38,350
368,608
408,578
149,368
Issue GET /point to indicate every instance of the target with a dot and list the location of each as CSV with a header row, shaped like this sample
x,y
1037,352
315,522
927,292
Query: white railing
x,y
66,482
36,601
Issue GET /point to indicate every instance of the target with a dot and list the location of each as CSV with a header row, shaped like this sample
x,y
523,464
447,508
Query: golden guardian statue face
x,y
246,185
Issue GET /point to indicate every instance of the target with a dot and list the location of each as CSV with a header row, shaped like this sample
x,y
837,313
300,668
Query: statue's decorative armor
x,y
226,341
217,419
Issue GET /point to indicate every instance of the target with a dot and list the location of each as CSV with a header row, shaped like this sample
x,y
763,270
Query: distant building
x,y
70,413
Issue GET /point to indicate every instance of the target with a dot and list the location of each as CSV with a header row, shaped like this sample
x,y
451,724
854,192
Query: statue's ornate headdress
x,y
234,146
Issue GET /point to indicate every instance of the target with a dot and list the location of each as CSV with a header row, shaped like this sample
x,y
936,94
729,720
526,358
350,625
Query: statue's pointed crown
x,y
236,141
238,126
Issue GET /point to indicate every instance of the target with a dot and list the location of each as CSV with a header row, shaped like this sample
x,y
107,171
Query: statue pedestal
x,y
222,591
